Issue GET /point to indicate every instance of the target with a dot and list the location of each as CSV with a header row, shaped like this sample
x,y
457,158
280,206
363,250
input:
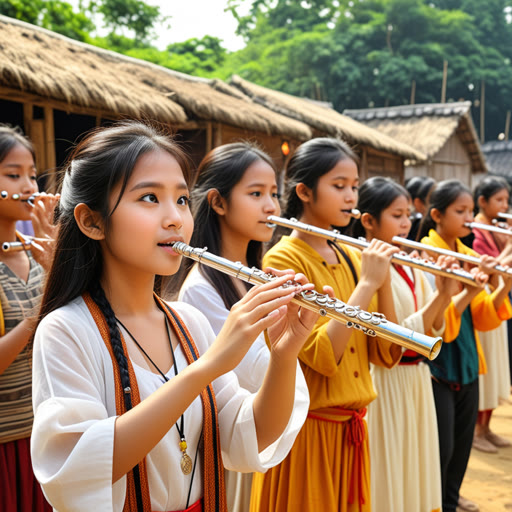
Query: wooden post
x,y
482,112
209,131
413,91
445,76
28,111
507,125
51,157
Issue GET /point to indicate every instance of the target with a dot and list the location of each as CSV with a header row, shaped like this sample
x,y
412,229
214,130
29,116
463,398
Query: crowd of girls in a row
x,y
196,392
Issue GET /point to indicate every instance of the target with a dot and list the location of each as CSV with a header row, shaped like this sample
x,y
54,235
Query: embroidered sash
x,y
137,480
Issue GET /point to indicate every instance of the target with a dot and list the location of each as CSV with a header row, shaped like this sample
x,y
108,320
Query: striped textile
x,y
18,299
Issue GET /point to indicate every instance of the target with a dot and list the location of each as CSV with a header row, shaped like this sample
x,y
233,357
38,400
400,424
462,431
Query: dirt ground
x,y
488,480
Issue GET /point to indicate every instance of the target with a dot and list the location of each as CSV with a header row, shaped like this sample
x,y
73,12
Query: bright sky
x,y
197,18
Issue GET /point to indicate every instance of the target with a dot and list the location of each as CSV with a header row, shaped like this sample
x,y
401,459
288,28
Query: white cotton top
x,y
74,405
200,293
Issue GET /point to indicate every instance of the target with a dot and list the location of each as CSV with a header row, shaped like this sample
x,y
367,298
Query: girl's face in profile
x,y
497,203
335,195
17,176
451,222
250,202
394,221
152,213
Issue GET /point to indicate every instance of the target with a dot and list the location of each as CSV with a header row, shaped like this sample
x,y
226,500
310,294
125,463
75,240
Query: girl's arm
x,y
374,276
445,288
12,343
142,427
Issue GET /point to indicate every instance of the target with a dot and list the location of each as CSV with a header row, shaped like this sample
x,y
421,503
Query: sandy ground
x,y
488,480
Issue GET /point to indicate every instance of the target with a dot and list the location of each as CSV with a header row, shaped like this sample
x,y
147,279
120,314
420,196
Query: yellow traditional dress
x,y
327,468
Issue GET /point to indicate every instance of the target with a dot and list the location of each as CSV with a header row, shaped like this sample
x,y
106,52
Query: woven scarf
x,y
214,499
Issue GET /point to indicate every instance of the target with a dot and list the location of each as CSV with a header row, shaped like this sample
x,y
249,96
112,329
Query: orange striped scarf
x,y
214,499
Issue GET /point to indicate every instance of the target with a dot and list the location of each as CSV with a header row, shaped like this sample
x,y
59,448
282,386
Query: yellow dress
x,y
327,468
485,316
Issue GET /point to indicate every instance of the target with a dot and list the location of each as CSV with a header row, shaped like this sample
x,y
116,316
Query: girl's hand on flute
x,y
290,332
376,259
261,307
445,284
481,277
43,215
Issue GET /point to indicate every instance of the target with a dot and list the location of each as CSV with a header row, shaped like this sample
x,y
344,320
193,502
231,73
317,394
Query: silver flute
x,y
371,324
17,197
474,260
16,246
505,215
401,258
488,227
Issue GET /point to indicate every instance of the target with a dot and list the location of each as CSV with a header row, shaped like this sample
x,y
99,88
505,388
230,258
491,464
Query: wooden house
x,y
380,154
498,155
57,88
444,132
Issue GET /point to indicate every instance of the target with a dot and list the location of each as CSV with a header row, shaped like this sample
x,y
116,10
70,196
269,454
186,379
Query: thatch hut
x,y
498,155
57,88
380,154
444,132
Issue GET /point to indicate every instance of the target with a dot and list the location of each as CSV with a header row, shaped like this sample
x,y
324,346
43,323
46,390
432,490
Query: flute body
x,y
372,324
488,227
403,259
439,250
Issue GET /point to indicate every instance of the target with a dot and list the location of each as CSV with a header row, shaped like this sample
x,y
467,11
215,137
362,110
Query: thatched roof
x,y
51,66
498,155
325,120
426,127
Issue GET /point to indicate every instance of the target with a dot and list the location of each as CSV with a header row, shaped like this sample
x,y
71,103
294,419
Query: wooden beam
x,y
51,158
28,114
445,79
209,133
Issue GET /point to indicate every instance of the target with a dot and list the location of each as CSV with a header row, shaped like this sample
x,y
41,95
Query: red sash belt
x,y
355,436
195,507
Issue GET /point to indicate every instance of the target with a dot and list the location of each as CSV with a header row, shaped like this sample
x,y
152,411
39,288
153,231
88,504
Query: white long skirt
x,y
495,384
238,490
404,445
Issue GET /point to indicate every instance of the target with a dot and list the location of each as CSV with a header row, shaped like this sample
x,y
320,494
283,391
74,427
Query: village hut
x,y
57,88
443,131
380,154
498,155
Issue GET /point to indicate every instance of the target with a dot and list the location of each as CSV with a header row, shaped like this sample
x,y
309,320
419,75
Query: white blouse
x,y
200,293
74,405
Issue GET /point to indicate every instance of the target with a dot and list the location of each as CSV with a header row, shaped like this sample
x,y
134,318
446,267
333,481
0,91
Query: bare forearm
x,y
12,343
501,294
273,404
338,333
462,300
433,311
139,430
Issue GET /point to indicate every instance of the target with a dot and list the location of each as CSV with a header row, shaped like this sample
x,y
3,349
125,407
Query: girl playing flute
x,y
135,405
21,281
455,371
235,192
402,424
328,466
491,197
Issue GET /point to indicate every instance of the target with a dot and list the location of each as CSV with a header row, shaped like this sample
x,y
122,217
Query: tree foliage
x,y
352,53
361,53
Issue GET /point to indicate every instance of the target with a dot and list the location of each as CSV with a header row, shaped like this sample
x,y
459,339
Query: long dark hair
x,y
221,169
105,158
11,137
308,164
489,186
441,197
375,195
